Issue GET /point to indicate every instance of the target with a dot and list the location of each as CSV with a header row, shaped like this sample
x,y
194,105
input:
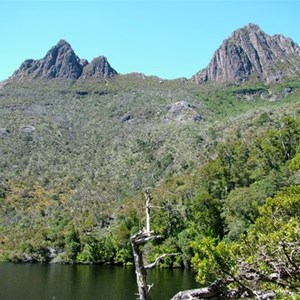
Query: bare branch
x,y
290,260
143,237
241,284
150,286
158,259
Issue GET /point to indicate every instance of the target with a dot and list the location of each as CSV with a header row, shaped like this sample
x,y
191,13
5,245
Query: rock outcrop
x,y
251,54
182,111
62,62
99,67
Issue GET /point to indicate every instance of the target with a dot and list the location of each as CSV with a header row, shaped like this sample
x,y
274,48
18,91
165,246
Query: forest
x,y
223,171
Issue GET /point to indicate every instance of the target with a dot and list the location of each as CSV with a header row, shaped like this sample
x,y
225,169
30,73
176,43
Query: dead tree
x,y
137,240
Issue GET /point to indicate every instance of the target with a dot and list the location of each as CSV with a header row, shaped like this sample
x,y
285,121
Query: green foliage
x,y
205,215
295,163
241,210
272,246
72,167
97,251
213,260
266,258
72,244
279,210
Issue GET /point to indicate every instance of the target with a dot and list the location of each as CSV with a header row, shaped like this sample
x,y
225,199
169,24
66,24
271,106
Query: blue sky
x,y
170,38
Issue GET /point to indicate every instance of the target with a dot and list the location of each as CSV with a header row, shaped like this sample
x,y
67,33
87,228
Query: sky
x,y
166,38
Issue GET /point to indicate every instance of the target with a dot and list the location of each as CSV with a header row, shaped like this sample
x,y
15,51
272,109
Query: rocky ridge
x,y
248,54
251,54
62,62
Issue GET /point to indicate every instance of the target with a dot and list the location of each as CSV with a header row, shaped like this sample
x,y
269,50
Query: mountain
x,y
62,62
99,67
76,155
251,54
248,54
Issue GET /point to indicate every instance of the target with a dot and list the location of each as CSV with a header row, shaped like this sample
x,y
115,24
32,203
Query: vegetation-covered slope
x,y
75,156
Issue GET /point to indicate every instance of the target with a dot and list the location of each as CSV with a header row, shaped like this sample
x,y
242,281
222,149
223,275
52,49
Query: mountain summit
x,y
62,62
249,53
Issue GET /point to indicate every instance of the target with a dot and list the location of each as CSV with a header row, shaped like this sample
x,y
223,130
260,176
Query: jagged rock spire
x,y
252,54
99,67
62,62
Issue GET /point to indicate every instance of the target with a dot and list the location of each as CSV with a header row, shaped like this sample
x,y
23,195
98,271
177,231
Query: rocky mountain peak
x,y
62,43
99,67
62,62
251,54
251,27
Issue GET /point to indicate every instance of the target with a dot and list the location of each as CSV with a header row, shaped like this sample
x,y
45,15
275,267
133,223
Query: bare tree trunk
x,y
141,274
148,205
136,241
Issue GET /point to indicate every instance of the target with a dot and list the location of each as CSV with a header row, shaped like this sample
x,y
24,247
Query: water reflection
x,y
80,282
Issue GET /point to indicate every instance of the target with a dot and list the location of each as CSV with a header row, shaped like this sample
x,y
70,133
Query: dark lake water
x,y
85,282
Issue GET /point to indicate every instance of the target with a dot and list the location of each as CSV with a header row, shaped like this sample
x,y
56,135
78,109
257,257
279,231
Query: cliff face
x,y
62,62
252,54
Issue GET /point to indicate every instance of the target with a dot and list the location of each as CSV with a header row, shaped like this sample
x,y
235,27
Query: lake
x,y
86,282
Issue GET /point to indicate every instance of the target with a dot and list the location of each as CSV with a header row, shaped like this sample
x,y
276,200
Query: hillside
x,y
87,145
78,149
